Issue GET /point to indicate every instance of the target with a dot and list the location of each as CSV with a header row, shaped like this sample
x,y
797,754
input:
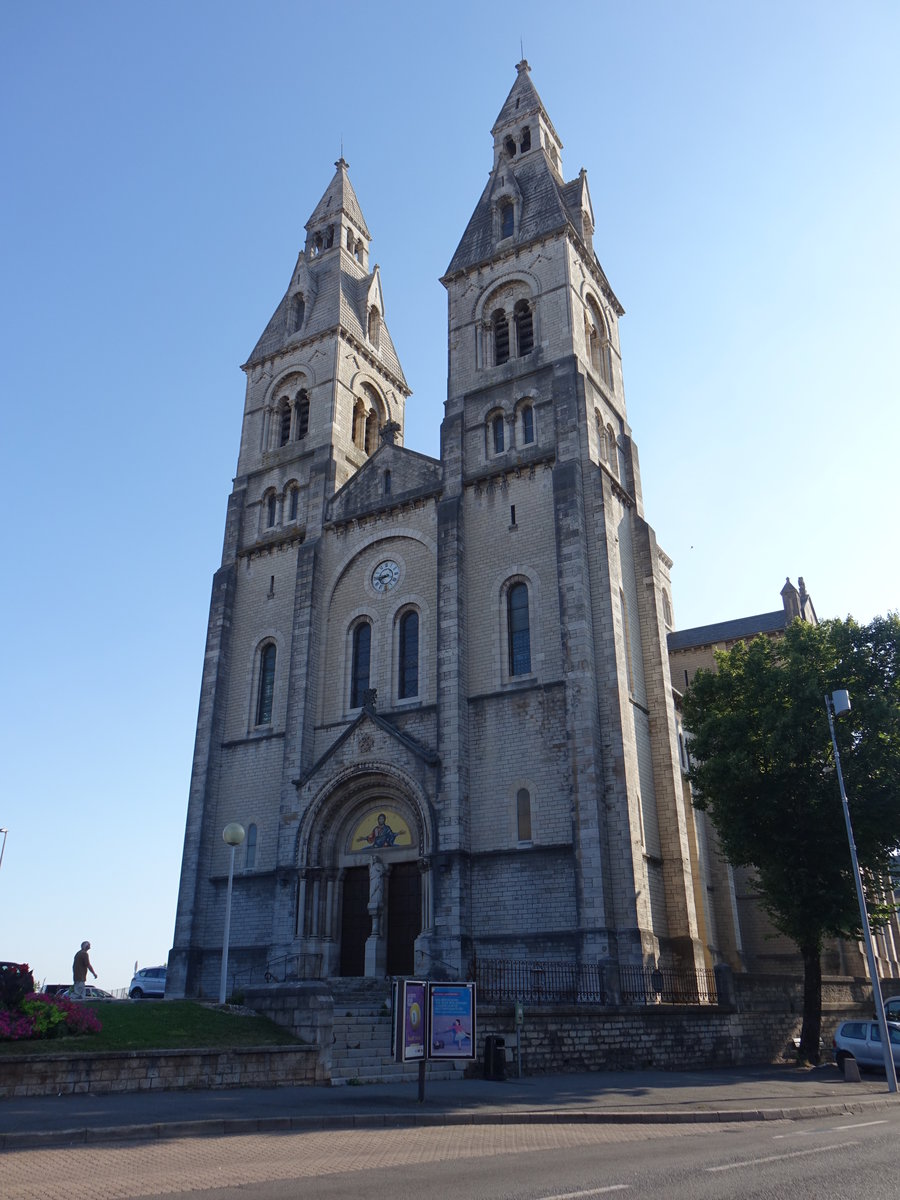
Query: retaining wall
x,y
136,1071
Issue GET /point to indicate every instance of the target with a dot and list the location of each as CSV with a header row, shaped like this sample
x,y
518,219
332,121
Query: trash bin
x,y
494,1057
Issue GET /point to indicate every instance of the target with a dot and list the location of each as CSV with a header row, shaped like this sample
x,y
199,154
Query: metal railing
x,y
276,970
540,981
550,981
667,985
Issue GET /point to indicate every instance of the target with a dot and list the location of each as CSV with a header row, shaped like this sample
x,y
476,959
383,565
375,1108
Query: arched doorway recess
x,y
367,853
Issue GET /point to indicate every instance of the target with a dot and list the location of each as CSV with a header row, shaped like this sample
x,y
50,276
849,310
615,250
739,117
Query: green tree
x,y
763,769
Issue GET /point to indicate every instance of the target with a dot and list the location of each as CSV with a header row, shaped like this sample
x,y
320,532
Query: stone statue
x,y
376,893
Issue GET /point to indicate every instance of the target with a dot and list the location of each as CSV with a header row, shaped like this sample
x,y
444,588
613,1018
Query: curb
x,y
226,1127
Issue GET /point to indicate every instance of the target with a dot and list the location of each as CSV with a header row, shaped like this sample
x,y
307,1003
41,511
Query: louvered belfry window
x,y
500,324
524,328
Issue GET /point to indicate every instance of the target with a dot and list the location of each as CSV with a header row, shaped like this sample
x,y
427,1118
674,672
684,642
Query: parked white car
x,y
90,993
149,981
862,1040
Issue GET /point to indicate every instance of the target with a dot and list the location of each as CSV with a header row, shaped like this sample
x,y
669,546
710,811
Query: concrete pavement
x,y
730,1094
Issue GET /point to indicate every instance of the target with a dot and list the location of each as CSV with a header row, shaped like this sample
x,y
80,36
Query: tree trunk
x,y
811,1032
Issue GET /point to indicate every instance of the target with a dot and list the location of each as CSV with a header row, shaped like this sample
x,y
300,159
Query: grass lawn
x,y
160,1025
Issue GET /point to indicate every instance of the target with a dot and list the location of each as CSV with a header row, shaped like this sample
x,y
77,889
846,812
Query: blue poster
x,y
452,1020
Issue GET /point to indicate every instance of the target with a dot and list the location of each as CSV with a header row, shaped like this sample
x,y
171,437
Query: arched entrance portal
x,y
364,890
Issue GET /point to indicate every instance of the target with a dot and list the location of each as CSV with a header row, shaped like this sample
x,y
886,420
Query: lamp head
x,y
233,833
840,702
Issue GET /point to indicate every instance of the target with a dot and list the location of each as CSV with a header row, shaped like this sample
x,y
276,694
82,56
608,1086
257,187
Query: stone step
x,y
361,1052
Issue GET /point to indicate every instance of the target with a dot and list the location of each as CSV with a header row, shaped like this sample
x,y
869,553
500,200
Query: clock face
x,y
385,576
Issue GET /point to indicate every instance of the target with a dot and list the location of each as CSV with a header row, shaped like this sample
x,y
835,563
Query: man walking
x,y
81,964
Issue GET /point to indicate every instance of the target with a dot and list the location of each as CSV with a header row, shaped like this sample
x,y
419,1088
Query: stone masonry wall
x,y
757,1027
138,1071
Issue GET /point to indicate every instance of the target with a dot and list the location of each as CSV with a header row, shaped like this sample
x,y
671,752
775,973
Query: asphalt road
x,y
820,1159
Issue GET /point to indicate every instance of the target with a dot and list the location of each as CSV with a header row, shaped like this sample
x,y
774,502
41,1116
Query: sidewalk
x,y
732,1094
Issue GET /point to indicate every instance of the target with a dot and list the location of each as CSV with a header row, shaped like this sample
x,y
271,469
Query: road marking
x,y
756,1162
860,1125
613,1187
833,1129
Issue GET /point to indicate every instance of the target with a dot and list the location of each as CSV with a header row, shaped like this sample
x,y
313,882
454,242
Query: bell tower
x,y
324,377
322,382
537,446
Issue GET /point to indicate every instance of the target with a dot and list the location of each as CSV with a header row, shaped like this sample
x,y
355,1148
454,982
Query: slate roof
x,y
548,205
543,212
727,631
523,101
336,297
339,197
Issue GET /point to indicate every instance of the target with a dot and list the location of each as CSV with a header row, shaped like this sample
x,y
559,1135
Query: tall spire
x,y
523,101
526,180
339,197
332,286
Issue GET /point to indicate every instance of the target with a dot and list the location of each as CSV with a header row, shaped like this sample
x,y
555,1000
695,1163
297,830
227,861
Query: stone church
x,y
436,692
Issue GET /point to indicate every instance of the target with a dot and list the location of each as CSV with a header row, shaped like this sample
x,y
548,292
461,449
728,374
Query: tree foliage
x,y
763,769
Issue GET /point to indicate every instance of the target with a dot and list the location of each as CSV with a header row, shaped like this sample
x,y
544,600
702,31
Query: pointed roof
x,y
577,196
339,302
548,205
543,211
335,290
522,101
339,197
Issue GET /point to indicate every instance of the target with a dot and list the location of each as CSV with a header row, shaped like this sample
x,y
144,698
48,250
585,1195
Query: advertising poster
x,y
452,1020
413,1017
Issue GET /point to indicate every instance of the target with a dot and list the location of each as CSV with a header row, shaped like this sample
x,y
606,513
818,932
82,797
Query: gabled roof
x,y
728,631
369,714
413,476
338,197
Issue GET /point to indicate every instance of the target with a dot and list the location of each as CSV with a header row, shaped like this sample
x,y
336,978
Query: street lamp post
x,y
4,831
837,704
233,834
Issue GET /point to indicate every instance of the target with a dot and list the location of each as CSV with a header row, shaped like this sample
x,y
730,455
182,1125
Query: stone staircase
x,y
362,1037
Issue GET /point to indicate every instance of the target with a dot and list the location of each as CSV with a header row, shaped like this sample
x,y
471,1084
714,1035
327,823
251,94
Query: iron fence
x,y
550,981
540,981
666,985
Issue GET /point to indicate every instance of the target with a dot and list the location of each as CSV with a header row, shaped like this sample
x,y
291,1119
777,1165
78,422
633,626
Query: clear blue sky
x,y
161,160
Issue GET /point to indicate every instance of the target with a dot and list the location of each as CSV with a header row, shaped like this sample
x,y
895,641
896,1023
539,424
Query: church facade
x,y
436,692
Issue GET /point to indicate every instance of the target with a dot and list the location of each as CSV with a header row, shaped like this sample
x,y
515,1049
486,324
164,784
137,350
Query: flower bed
x,y
26,1014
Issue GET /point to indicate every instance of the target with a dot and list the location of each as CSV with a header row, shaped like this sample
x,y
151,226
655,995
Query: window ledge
x,y
264,734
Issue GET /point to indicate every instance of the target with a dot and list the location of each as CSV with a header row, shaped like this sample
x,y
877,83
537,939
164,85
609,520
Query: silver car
x,y
862,1040
149,981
